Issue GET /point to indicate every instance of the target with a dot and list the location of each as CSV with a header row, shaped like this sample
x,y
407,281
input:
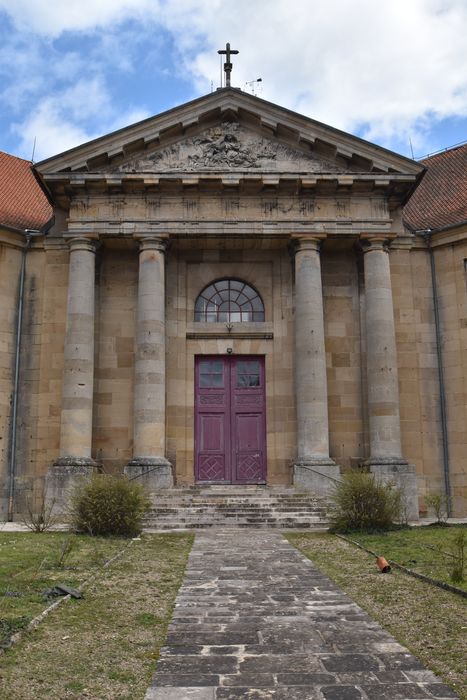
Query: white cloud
x,y
131,116
387,70
52,17
50,130
59,123
349,64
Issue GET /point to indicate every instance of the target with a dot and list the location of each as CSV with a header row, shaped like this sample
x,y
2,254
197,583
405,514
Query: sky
x,y
394,72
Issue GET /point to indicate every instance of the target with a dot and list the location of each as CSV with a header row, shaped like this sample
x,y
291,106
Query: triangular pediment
x,y
224,131
227,147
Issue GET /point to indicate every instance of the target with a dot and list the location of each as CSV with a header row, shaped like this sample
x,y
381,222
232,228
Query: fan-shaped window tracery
x,y
229,301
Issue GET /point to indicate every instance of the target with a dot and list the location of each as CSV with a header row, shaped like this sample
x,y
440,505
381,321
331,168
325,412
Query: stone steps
x,y
236,507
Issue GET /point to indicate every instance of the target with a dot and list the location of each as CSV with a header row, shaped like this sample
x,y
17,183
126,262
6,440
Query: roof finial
x,y
227,65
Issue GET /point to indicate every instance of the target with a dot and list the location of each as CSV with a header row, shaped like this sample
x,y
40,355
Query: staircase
x,y
236,506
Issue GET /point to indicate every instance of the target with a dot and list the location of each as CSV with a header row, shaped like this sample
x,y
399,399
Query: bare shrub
x,y
39,514
362,502
439,503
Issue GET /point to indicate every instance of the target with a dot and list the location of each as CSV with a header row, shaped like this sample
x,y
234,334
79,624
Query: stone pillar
x,y
313,468
75,461
385,458
149,464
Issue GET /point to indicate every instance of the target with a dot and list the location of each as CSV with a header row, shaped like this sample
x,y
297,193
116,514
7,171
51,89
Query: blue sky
x,y
72,70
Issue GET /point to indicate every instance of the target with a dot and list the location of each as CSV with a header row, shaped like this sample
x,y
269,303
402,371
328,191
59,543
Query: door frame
x,y
229,360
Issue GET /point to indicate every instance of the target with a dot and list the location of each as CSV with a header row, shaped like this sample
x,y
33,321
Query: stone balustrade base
x,y
402,474
153,473
63,477
316,474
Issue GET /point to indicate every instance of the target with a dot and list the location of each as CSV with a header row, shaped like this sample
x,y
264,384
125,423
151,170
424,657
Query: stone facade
x,y
232,187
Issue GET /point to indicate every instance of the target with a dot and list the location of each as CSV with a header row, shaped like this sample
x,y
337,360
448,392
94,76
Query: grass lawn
x,y
30,563
103,646
426,550
431,622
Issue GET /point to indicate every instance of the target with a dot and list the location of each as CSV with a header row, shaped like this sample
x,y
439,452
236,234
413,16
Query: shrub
x,y
108,505
39,515
439,504
362,502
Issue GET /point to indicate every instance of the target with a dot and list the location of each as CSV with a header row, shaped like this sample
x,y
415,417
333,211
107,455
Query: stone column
x,y
75,459
313,468
149,463
385,458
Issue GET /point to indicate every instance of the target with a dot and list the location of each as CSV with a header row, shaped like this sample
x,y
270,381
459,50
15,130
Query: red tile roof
x,y
441,198
23,203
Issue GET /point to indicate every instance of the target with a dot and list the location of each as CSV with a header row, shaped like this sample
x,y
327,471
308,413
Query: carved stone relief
x,y
228,146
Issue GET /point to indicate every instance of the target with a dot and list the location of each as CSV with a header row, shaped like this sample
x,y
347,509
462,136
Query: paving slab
x,y
256,619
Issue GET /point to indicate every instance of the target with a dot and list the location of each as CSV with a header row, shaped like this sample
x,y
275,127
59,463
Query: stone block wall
x,y
53,325
116,299
10,262
345,355
266,265
270,272
451,271
29,416
417,365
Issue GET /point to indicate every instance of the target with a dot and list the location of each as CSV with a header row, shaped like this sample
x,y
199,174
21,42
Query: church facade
x,y
228,295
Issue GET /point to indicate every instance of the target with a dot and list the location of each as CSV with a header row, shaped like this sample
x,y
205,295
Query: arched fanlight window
x,y
229,300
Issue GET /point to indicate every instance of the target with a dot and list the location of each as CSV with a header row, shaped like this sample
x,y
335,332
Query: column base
x,y
402,474
154,473
65,474
317,474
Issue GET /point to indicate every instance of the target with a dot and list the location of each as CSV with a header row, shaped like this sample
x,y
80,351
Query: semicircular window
x,y
230,301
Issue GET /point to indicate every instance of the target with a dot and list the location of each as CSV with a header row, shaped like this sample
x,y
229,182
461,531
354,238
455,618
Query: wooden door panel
x,y
212,419
211,467
249,469
230,427
248,429
248,420
248,465
211,433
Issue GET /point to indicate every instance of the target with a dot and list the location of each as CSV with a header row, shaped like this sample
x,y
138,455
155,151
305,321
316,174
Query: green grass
x,y
104,646
424,549
30,563
427,620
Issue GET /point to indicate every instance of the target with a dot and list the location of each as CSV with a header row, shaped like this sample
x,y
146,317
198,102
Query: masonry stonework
x,y
313,223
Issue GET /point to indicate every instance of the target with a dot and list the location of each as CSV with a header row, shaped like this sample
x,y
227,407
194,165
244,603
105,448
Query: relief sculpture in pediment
x,y
228,146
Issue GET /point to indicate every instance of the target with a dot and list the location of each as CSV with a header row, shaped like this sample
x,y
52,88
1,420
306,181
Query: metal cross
x,y
227,65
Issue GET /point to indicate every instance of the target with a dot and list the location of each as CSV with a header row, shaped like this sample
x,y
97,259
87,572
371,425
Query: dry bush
x,y
39,512
439,504
108,505
362,502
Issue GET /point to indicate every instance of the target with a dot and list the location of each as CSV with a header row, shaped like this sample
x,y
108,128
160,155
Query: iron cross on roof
x,y
227,65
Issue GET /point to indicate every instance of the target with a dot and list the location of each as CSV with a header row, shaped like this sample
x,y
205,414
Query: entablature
x,y
66,187
216,229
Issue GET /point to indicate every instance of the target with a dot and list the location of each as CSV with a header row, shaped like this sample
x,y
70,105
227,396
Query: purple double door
x,y
230,423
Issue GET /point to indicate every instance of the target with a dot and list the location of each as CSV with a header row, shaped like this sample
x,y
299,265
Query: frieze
x,y
228,146
230,208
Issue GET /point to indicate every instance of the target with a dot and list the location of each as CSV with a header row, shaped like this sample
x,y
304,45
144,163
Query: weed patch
x,y
104,646
437,552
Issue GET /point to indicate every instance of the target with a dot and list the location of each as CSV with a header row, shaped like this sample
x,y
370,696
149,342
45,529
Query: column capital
x,y
159,243
376,241
312,242
82,243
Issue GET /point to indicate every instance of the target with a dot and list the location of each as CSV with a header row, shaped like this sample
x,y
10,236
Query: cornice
x,y
452,236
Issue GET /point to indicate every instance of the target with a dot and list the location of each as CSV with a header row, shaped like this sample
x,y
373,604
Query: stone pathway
x,y
255,619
